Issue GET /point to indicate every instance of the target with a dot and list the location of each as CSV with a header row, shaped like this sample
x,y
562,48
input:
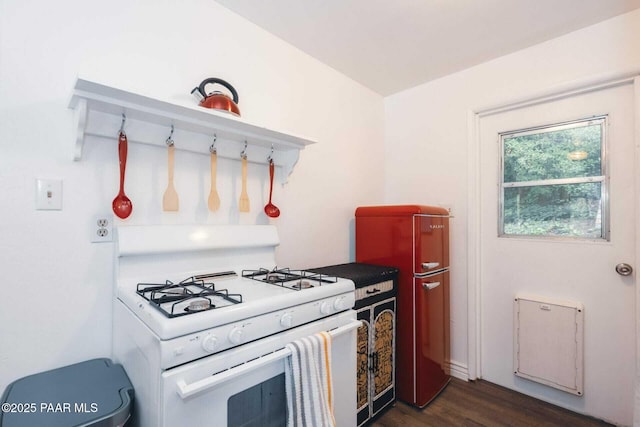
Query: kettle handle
x,y
213,80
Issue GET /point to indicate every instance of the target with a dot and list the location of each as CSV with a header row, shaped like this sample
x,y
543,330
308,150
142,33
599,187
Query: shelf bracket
x,y
80,119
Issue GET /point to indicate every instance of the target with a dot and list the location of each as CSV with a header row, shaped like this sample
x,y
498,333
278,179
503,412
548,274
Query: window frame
x,y
603,178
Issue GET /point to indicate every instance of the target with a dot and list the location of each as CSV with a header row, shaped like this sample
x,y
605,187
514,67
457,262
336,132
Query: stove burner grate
x,y
170,297
283,277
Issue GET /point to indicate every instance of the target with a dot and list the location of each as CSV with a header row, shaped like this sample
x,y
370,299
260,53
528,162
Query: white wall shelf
x,y
99,109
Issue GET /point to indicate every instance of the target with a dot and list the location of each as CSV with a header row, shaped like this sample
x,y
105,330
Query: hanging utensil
x,y
214,199
121,205
170,200
270,209
243,204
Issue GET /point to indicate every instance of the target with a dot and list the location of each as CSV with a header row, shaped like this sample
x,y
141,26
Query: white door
x,y
576,270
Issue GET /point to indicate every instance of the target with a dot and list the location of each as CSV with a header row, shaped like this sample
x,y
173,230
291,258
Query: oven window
x,y
263,405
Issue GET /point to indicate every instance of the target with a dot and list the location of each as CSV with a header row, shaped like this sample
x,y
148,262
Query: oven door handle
x,y
187,390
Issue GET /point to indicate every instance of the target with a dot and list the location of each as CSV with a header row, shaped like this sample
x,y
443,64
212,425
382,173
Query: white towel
x,y
309,386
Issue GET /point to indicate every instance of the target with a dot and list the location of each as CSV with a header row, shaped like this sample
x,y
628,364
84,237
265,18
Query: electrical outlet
x,y
102,229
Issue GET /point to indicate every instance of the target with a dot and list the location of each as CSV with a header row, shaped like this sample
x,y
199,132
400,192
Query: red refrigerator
x,y
415,239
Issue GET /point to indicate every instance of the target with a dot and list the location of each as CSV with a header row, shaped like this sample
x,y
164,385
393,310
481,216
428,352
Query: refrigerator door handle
x,y
430,265
430,285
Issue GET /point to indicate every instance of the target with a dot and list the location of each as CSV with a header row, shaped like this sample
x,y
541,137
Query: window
x,y
554,181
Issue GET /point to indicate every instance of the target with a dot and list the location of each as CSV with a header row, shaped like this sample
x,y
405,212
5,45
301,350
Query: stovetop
x,y
199,293
154,260
165,306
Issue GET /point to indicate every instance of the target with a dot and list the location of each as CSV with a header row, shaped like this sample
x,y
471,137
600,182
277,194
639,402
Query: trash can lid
x,y
74,395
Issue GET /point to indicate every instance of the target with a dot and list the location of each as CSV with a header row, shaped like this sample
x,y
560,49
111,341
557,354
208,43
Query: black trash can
x,y
94,393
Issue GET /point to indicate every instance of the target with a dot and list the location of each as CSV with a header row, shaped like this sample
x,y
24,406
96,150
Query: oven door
x,y
245,386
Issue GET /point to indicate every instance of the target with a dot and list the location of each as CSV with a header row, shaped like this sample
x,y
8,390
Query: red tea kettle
x,y
217,100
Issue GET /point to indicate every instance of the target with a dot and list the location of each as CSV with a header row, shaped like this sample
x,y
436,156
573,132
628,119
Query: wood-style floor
x,y
480,403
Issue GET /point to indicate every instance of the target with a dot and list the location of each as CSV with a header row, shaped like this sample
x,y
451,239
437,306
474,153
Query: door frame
x,y
474,115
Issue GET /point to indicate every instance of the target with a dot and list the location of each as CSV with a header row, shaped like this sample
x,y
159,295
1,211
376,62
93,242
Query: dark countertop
x,y
361,274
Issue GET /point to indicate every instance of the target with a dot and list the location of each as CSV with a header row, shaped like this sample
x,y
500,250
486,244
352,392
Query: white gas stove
x,y
195,300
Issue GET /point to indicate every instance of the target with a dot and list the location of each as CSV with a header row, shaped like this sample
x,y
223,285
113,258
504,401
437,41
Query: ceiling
x,y
393,45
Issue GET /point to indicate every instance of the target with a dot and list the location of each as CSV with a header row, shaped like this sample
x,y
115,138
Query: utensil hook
x,y
169,141
270,158
212,149
243,155
124,119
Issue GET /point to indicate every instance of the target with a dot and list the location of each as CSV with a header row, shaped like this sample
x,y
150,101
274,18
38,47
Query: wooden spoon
x,y
214,199
121,205
243,204
170,200
270,209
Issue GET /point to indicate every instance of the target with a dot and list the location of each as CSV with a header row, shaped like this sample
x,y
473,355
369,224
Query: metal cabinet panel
x,y
376,358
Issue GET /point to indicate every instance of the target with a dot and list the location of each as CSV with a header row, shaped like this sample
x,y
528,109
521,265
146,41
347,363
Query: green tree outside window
x,y
553,181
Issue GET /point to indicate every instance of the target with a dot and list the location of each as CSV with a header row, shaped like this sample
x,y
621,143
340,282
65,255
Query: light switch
x,y
49,194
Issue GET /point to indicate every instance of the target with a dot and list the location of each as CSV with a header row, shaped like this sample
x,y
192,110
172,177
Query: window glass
x,y
553,181
554,154
554,210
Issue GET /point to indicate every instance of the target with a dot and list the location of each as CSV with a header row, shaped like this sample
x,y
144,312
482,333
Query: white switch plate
x,y
49,194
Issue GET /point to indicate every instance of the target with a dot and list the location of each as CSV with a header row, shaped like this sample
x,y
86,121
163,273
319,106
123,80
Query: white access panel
x,y
548,342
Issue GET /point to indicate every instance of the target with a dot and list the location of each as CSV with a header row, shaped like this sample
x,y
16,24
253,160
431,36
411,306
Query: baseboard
x,y
457,370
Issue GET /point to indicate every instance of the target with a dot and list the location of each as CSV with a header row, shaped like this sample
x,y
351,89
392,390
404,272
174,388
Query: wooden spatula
x,y
243,204
170,198
214,199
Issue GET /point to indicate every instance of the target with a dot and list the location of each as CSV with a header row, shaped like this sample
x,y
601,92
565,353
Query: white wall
x,y
56,285
426,152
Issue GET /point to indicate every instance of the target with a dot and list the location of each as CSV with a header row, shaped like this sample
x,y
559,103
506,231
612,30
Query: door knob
x,y
624,269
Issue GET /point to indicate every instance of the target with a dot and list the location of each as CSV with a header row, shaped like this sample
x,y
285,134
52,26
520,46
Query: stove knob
x,y
286,320
325,308
340,304
235,336
210,343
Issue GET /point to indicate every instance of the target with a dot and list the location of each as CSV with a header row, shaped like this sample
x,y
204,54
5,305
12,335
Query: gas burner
x,y
275,277
302,284
190,296
199,305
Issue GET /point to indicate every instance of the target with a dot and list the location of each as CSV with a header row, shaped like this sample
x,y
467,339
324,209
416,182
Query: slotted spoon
x,y
270,209
121,205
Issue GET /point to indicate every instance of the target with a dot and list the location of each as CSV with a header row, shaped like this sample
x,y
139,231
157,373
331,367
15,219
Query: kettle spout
x,y
197,94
